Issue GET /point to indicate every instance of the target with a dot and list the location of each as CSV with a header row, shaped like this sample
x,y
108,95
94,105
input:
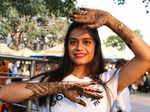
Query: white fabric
x,y
65,105
123,101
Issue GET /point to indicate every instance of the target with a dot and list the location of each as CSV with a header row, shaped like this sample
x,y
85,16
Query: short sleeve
x,y
111,79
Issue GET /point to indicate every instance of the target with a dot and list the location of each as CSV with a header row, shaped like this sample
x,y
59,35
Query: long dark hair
x,y
96,66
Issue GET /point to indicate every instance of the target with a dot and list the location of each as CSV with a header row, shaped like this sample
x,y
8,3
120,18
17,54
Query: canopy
x,y
111,52
108,52
24,52
57,50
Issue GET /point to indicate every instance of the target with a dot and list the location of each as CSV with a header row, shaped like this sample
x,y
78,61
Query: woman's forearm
x,y
45,88
134,42
17,92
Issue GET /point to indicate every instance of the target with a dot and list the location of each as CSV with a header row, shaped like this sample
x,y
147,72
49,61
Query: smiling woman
x,y
81,46
80,84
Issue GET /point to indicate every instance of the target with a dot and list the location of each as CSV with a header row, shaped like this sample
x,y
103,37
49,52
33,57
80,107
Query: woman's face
x,y
81,46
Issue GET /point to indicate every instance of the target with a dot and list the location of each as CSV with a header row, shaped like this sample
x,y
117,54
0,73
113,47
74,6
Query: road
x,y
140,103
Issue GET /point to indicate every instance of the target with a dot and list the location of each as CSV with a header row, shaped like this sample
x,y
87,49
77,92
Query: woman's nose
x,y
79,46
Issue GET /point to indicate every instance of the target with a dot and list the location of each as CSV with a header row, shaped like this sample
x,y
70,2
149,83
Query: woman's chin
x,y
80,63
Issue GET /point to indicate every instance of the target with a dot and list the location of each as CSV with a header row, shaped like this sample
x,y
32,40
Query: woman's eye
x,y
73,42
87,42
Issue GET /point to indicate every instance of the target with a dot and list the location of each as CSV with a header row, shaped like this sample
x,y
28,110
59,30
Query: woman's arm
x,y
140,63
17,92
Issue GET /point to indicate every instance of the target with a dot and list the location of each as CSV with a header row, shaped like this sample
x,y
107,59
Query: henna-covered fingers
x,y
85,84
93,18
88,92
80,19
85,9
72,95
92,89
80,13
92,95
77,100
81,16
74,89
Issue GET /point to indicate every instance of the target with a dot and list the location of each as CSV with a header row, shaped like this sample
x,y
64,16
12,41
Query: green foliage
x,y
40,18
62,7
116,42
144,2
34,7
33,18
119,2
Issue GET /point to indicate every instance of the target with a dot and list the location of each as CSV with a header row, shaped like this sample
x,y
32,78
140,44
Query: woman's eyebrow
x,y
72,38
88,38
83,38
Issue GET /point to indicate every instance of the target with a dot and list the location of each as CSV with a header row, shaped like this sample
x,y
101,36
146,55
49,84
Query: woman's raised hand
x,y
92,18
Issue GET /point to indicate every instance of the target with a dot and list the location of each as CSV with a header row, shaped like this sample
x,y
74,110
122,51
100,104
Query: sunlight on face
x,y
81,46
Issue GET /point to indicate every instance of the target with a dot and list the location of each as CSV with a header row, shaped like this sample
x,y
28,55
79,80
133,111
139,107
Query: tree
x,y
34,7
24,21
116,42
144,2
30,20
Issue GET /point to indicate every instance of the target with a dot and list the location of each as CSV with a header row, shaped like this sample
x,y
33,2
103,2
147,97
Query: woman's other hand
x,y
92,18
72,90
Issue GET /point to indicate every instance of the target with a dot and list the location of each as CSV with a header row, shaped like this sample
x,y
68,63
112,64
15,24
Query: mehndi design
x,y
49,88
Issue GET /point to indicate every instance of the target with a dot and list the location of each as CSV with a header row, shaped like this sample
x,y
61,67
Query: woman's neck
x,y
80,71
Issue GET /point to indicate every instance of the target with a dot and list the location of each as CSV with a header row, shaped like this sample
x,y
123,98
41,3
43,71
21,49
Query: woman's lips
x,y
80,55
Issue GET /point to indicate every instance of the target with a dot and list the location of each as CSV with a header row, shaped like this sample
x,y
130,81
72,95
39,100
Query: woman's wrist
x,y
44,88
119,28
57,87
112,22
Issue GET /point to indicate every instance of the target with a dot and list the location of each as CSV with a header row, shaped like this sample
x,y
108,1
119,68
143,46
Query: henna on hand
x,y
88,92
38,89
93,18
44,88
70,89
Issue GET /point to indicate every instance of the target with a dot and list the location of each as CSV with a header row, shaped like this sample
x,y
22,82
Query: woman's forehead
x,y
80,33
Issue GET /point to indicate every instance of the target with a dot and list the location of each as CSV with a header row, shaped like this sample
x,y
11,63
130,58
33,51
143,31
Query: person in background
x,y
13,69
3,81
3,68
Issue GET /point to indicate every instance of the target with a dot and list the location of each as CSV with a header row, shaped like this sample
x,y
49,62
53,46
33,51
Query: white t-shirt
x,y
123,101
65,105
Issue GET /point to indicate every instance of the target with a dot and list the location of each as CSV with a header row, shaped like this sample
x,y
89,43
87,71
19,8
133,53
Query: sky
x,y
132,13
